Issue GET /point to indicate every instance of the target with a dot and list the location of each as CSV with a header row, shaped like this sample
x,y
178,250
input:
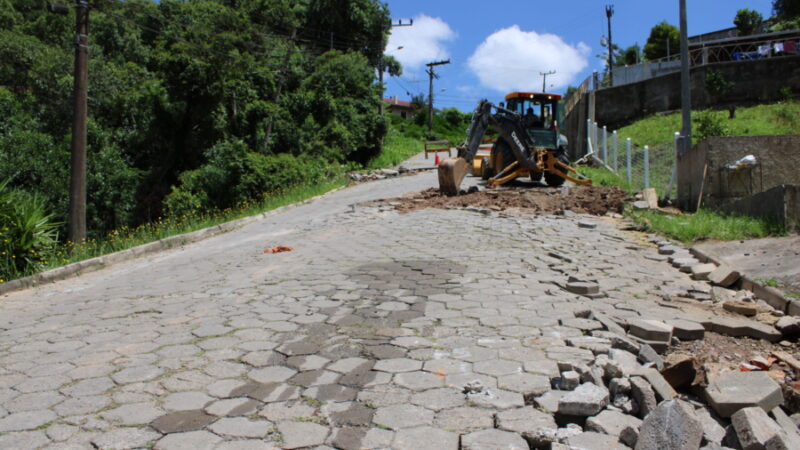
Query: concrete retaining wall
x,y
772,179
757,81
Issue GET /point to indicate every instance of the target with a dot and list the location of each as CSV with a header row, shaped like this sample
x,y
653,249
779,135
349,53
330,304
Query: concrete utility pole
x,y
686,88
544,79
77,182
431,76
609,13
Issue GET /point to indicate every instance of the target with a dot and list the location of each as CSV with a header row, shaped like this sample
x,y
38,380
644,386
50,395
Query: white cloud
x,y
511,59
421,43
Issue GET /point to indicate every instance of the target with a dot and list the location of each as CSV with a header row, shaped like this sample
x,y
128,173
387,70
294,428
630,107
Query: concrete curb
x,y
774,297
89,265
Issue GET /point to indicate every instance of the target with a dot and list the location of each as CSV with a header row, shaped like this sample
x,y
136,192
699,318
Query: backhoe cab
x,y
528,144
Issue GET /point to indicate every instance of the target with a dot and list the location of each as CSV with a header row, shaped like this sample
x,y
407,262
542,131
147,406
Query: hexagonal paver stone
x,y
398,365
587,399
425,437
249,444
496,399
193,440
308,362
27,420
590,439
612,423
493,439
136,374
525,383
264,358
302,434
358,437
497,367
437,399
733,391
447,366
132,414
418,380
672,425
582,324
233,407
347,365
182,421
24,440
241,427
465,419
271,374
185,401
537,427
124,438
651,330
402,416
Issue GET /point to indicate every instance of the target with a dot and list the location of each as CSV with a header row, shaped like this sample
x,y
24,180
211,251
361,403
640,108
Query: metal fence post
x,y
646,167
628,158
594,139
605,145
616,152
589,147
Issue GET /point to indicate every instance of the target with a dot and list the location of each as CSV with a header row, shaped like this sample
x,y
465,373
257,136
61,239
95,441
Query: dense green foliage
x,y
27,232
705,224
664,40
786,9
747,21
193,105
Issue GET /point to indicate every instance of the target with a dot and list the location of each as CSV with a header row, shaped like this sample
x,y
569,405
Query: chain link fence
x,y
640,166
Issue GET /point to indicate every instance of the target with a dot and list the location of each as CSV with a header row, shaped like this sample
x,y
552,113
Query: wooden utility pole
x,y
77,185
544,79
686,88
431,76
609,13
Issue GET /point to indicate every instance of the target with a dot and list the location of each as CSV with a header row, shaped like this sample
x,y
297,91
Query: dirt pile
x,y
596,200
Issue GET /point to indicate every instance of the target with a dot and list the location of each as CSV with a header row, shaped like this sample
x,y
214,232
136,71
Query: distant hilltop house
x,y
400,108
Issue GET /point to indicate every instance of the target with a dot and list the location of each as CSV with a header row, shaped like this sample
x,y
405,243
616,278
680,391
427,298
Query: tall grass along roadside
x,y
51,254
705,224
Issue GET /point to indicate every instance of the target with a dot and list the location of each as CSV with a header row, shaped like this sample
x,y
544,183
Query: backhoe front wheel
x,y
486,170
553,179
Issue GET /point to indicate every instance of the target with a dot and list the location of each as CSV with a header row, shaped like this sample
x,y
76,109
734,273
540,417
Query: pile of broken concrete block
x,y
722,286
628,396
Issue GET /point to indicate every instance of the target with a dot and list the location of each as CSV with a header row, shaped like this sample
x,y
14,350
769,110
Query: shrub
x,y
234,175
27,232
709,124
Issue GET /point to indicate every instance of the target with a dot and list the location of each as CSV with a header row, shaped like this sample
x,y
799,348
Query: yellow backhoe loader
x,y
529,144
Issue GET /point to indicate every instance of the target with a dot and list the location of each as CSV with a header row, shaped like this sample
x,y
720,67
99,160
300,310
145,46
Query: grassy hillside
x,y
777,118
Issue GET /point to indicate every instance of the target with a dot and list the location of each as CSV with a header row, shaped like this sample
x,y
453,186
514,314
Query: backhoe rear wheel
x,y
553,179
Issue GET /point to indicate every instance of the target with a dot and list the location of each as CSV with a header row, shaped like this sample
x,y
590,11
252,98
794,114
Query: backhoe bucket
x,y
451,172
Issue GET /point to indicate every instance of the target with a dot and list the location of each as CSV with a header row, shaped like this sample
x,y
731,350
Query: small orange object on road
x,y
278,249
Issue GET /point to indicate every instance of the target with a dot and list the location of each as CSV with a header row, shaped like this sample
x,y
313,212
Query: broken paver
x,y
733,391
724,276
673,425
586,400
533,425
754,427
493,439
612,422
737,327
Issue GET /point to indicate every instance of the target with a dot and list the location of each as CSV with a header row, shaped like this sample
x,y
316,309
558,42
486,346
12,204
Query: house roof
x,y
395,102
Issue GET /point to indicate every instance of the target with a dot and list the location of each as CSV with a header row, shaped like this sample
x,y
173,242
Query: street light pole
x,y
609,13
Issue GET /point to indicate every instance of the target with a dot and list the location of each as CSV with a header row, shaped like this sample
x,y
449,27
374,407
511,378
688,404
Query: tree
x,y
786,9
630,56
664,40
747,21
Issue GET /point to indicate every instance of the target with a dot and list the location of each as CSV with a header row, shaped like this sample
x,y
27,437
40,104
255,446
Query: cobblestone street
x,y
438,329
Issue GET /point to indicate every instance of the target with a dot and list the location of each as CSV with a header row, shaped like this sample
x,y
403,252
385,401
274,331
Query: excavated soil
x,y
596,200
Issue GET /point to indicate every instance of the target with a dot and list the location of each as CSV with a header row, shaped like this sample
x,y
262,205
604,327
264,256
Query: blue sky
x,y
496,46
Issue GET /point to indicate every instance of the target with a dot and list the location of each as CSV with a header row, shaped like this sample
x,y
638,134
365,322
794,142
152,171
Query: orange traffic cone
x,y
436,161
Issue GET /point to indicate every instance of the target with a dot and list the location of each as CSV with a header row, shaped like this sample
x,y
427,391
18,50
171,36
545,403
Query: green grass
x,y
705,224
776,118
126,238
397,148
603,177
